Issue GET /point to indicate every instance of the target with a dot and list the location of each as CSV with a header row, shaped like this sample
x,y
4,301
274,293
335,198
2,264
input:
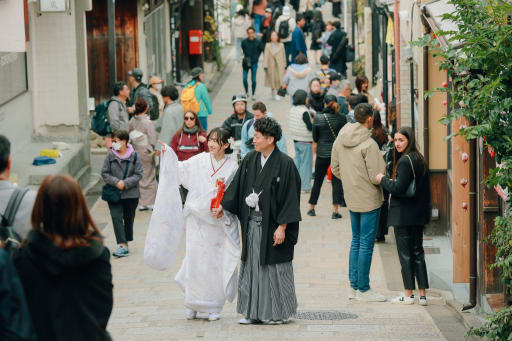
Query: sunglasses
x,y
188,118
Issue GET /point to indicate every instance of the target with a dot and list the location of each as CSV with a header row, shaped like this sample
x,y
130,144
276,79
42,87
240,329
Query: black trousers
x,y
336,9
409,242
321,166
382,230
123,215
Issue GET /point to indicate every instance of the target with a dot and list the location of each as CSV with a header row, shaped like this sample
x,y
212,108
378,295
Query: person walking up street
x,y
265,196
143,139
316,96
155,85
64,267
336,8
172,118
252,48
123,170
285,25
301,126
297,75
139,89
117,112
234,123
200,102
323,72
317,28
258,11
357,160
409,212
338,41
259,110
326,126
241,22
274,64
298,39
326,48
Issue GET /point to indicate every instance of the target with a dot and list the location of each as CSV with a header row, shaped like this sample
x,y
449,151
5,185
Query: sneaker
x,y
191,315
402,299
423,300
352,293
213,316
370,296
272,322
277,98
247,321
336,215
253,98
121,252
311,213
143,208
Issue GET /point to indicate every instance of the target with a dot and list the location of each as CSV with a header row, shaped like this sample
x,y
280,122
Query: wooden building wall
x,y
97,45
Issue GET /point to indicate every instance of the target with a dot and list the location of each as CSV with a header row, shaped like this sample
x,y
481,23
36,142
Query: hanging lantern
x,y
465,157
464,206
463,182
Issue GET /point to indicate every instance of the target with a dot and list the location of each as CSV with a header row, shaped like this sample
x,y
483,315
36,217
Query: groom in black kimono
x,y
265,196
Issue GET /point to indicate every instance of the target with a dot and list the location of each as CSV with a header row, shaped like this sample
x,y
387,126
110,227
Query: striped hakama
x,y
265,292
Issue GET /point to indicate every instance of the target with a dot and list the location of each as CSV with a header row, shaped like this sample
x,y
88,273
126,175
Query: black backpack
x,y
284,29
99,123
8,236
154,113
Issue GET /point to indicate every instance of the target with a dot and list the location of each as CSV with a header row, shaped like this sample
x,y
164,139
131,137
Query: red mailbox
x,y
195,42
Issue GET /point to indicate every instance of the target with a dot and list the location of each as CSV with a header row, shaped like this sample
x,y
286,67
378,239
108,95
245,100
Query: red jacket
x,y
187,145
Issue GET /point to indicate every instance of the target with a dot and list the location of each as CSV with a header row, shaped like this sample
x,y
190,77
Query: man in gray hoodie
x,y
356,160
117,114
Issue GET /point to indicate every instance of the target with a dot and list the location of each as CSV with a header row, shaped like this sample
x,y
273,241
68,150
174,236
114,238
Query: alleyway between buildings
x,y
148,305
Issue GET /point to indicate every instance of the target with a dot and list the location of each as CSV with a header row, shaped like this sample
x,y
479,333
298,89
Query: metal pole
x,y
111,13
385,83
397,63
345,15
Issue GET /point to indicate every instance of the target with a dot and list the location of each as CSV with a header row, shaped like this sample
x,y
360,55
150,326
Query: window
x,y
13,73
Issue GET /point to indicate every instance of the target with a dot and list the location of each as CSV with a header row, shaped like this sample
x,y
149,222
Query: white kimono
x,y
208,274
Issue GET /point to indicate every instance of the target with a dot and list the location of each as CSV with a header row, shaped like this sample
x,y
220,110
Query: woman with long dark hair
x,y
409,212
326,127
191,139
317,28
64,267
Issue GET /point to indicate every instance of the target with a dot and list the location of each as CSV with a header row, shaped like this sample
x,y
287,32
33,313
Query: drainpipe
x,y
425,106
397,62
473,216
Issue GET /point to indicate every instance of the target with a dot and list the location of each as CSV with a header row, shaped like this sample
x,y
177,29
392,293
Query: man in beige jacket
x,y
356,160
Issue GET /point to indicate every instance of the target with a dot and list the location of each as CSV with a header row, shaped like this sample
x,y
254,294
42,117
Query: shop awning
x,y
432,12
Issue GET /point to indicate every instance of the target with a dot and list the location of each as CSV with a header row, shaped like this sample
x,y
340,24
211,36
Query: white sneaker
x,y
370,296
253,98
191,315
402,299
423,300
278,98
272,322
352,293
213,316
246,321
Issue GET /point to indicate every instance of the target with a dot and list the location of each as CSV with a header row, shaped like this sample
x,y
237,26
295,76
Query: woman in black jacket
x,y
408,215
325,130
64,267
316,95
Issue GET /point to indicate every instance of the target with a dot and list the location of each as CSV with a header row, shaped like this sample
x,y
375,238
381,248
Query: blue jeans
x,y
253,69
288,52
364,229
258,21
304,163
204,122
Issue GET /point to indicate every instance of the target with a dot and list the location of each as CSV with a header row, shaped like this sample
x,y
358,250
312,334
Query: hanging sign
x,y
53,6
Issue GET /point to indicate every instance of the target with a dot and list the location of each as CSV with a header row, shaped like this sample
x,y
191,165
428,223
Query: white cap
x,y
239,7
286,10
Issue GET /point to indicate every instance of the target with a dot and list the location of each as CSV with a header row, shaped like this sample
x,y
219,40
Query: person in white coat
x,y
208,274
285,32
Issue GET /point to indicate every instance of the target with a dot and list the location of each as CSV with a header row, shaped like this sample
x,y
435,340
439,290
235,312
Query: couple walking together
x,y
263,194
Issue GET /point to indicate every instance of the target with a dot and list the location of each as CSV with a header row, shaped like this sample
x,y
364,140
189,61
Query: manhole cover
x,y
324,315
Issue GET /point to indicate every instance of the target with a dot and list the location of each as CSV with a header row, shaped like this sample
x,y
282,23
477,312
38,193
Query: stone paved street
x,y
148,305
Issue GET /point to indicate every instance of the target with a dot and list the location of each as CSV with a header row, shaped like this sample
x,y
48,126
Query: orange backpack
x,y
188,99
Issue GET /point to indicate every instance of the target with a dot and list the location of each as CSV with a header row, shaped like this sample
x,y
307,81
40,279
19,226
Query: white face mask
x,y
116,146
158,87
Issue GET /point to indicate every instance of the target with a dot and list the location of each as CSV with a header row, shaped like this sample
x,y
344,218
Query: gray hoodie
x,y
356,160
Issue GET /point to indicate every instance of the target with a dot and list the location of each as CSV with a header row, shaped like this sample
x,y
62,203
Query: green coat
x,y
202,97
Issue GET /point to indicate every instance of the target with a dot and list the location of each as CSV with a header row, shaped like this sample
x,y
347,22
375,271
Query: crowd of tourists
x,y
162,157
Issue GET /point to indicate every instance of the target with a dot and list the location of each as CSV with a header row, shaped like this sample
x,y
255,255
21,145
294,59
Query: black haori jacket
x,y
279,201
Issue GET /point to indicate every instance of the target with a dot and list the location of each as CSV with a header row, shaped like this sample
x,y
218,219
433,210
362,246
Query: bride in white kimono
x,y
208,274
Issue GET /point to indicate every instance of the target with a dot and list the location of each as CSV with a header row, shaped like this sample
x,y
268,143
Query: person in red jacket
x,y
191,139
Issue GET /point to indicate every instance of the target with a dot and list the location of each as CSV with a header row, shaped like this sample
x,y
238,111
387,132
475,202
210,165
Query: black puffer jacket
x,y
325,130
316,101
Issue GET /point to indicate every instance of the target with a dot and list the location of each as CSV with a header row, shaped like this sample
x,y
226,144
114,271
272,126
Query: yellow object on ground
x,y
50,153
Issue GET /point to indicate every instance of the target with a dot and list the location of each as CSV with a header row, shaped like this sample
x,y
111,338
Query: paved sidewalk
x,y
148,305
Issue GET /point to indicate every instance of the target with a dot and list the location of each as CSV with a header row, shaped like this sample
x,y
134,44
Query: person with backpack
x,y
338,40
323,73
317,28
155,87
117,112
284,27
143,138
195,97
122,171
259,110
18,219
139,89
298,39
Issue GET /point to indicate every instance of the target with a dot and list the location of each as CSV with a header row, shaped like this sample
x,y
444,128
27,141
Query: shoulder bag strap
x,y
329,124
128,165
12,206
413,173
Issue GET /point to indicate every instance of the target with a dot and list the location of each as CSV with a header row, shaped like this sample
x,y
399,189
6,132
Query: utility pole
x,y
111,13
396,18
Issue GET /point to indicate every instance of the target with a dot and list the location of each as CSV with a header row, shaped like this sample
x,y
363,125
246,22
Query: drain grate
x,y
324,315
432,250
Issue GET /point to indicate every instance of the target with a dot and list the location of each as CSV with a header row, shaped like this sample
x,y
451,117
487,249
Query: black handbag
x,y
411,190
111,193
246,63
281,92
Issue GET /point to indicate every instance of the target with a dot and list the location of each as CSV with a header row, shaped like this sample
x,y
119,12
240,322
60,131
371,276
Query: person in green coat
x,y
202,96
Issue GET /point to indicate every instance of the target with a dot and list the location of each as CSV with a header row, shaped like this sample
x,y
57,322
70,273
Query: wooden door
x,y
97,45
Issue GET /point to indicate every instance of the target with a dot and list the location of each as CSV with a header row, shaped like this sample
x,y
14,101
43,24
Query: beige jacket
x,y
356,160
